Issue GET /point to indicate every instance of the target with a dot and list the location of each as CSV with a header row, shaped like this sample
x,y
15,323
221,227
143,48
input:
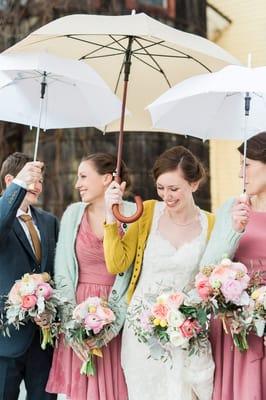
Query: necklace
x,y
179,224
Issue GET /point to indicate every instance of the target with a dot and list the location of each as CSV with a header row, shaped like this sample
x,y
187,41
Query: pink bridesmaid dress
x,y
94,280
242,376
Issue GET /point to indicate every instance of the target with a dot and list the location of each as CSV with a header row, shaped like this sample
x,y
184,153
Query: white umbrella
x,y
150,55
51,92
229,104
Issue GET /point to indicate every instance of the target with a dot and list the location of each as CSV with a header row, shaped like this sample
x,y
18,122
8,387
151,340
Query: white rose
x,y
175,318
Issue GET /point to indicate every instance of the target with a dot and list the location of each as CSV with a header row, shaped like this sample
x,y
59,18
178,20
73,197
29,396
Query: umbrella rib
x,y
155,62
100,47
145,62
176,51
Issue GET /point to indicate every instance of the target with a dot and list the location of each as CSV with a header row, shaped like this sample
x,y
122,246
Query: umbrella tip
x,y
133,12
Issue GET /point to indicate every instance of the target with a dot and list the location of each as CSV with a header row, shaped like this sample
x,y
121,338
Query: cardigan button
x,y
121,274
114,291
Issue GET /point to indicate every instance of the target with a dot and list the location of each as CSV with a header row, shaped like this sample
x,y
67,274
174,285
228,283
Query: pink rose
x,y
232,290
204,288
190,328
29,301
44,290
14,294
175,300
94,322
106,314
160,310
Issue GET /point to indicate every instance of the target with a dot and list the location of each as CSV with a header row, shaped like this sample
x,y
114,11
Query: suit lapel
x,y
41,226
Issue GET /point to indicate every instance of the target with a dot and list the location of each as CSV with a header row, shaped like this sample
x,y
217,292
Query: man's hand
x,y
31,173
240,213
43,321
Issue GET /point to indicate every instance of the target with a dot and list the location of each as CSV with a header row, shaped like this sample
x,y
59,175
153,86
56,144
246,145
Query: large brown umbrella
x,y
155,56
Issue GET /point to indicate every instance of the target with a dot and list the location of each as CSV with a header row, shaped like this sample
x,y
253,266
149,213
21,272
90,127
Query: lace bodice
x,y
166,265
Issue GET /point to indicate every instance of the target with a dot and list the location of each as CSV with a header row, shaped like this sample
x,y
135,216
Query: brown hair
x,y
256,147
12,165
105,163
179,157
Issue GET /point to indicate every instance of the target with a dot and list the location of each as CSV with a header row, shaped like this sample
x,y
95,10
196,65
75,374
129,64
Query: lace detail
x,y
163,264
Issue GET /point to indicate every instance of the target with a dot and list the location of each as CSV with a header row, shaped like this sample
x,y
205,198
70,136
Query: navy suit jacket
x,y
17,258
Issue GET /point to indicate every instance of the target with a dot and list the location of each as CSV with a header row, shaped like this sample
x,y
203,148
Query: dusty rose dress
x,y
94,280
242,376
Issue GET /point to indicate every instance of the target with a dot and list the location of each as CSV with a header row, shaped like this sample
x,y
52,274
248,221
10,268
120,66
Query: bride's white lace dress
x,y
190,377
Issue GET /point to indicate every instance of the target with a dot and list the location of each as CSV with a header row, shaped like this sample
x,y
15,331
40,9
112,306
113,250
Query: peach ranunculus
x,y
190,328
160,311
221,273
175,300
29,301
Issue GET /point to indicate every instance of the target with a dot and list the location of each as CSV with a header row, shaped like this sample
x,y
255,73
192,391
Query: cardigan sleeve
x,y
120,252
224,239
64,262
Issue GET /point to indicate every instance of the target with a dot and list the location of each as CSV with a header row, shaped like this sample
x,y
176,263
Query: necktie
x,y
34,236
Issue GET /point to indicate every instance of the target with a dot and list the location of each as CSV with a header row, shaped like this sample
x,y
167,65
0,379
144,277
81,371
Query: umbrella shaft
x,y
127,65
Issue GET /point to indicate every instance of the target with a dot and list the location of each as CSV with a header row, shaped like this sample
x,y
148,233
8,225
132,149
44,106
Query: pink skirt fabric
x,y
238,376
108,382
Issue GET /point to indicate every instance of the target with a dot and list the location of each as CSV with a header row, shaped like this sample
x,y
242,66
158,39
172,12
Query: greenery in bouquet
x,y
166,320
88,330
31,297
223,290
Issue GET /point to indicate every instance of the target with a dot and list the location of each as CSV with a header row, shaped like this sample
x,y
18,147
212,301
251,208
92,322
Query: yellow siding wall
x,y
246,34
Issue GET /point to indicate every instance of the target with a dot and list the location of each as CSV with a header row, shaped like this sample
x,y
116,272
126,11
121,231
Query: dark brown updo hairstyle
x,y
105,163
256,147
179,157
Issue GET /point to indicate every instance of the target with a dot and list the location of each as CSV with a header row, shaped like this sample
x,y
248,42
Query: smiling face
x,y
90,184
175,190
255,176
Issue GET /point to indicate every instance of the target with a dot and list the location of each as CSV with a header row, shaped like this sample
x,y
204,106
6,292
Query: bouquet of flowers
x,y
91,322
258,309
168,320
29,298
223,290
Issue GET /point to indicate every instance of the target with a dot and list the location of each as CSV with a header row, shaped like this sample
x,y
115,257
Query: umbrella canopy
x,y
75,95
154,56
213,106
161,56
229,104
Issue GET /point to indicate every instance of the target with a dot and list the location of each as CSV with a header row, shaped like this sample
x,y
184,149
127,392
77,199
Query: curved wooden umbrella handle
x,y
132,218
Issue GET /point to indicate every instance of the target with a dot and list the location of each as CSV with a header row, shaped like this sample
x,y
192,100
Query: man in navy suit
x,y
21,357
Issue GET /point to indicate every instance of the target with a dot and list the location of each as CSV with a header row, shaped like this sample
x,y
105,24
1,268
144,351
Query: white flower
x,y
27,288
175,318
176,338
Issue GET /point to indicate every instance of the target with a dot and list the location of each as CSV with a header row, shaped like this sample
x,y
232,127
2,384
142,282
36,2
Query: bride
x,y
165,245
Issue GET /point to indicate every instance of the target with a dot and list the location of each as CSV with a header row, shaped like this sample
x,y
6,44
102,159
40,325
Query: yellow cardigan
x,y
121,253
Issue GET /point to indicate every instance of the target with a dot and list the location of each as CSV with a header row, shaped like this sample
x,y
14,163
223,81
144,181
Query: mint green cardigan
x,y
224,239
66,264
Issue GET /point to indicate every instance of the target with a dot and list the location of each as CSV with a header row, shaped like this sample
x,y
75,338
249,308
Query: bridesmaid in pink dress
x,y
242,376
94,176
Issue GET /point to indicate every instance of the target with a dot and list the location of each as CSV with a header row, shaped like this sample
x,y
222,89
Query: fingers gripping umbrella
x,y
49,92
152,57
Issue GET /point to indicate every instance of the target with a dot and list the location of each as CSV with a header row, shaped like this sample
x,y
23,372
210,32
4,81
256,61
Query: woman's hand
x,y
264,340
43,320
240,213
113,195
